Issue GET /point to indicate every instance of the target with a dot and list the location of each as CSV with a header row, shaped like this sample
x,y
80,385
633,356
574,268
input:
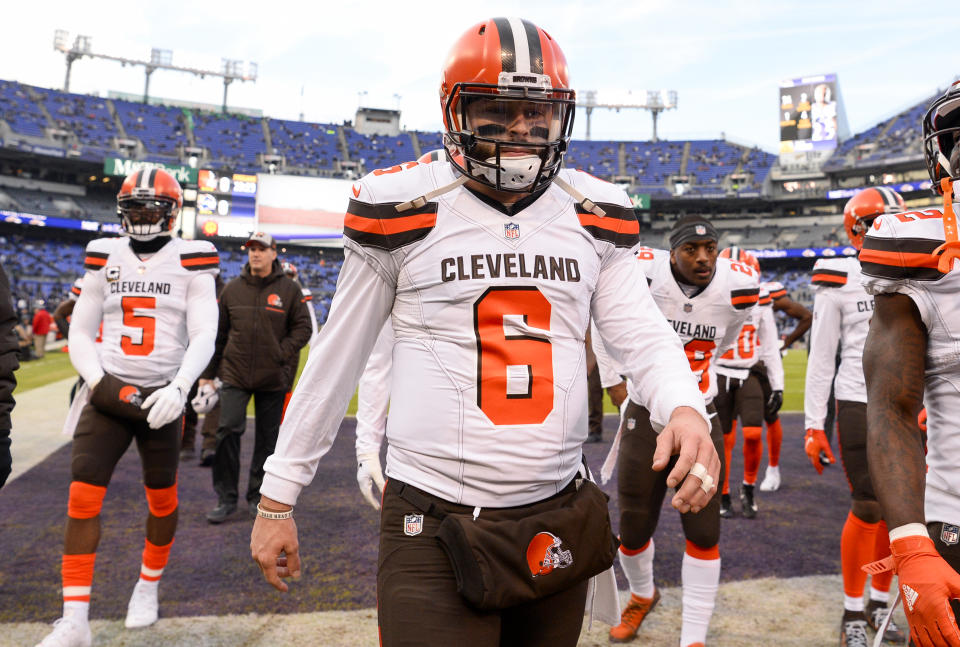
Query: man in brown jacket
x,y
264,323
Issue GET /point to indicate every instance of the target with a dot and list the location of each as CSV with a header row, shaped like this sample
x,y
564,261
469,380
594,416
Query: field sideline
x,y
56,366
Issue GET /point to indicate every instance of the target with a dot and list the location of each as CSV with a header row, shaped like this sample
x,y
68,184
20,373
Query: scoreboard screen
x,y
226,203
808,114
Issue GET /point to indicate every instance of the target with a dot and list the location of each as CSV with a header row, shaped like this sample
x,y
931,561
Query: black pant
x,y
268,407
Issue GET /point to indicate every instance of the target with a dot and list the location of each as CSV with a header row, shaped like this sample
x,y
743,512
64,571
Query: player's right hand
x,y
275,548
369,474
166,404
815,442
687,434
927,584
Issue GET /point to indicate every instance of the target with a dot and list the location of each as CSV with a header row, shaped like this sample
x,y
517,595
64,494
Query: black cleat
x,y
748,502
206,458
853,630
221,512
726,507
876,613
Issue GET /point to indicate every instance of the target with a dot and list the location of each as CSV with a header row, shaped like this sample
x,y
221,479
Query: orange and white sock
x,y
774,440
857,547
77,575
637,567
752,453
154,560
880,584
700,577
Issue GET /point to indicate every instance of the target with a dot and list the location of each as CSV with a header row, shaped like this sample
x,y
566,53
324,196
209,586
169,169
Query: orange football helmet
x,y
741,255
545,553
289,269
507,105
863,208
148,203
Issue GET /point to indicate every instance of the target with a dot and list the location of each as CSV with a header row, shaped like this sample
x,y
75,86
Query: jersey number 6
x,y
514,368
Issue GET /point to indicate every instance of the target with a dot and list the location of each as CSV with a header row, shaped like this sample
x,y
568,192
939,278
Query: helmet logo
x,y
511,231
130,395
545,552
275,300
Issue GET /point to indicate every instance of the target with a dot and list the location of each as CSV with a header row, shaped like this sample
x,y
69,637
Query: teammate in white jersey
x,y
154,294
910,263
490,266
755,353
707,300
841,317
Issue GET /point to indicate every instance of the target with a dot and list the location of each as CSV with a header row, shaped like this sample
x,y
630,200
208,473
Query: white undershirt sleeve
x,y
641,342
84,328
373,394
822,361
609,374
363,300
770,349
202,316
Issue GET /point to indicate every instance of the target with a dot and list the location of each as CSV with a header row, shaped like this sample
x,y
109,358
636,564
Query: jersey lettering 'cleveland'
x,y
144,329
708,321
841,319
897,258
475,287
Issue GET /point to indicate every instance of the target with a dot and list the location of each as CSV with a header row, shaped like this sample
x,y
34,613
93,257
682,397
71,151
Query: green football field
x,y
56,366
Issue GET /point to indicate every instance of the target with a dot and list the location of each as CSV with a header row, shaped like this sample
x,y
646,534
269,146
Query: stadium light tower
x,y
160,59
656,101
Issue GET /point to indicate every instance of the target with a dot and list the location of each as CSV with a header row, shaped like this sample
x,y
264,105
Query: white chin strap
x,y
515,172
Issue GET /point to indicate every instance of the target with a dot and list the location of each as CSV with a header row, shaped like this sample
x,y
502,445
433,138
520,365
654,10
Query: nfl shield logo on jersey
x,y
511,230
412,524
950,535
688,307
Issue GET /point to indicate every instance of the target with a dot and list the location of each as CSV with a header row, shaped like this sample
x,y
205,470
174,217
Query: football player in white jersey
x,y
707,300
910,265
154,294
841,317
490,265
739,390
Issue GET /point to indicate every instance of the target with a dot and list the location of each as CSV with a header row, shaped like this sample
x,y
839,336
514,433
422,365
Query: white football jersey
x,y
708,321
144,332
373,394
756,342
490,313
774,288
841,318
897,257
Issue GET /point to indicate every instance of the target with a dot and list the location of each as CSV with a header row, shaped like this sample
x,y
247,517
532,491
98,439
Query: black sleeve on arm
x,y
223,331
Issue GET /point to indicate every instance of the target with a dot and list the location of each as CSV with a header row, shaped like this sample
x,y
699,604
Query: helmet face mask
x,y
507,110
148,204
941,131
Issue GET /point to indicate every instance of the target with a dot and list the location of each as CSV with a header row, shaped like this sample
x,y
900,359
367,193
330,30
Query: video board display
x,y
809,119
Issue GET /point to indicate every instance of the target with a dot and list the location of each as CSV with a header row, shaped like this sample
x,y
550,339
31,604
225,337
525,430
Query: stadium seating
x,y
305,145
20,111
159,129
232,140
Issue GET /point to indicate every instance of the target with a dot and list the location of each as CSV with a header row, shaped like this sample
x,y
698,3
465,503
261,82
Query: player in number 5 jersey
x,y
490,265
154,294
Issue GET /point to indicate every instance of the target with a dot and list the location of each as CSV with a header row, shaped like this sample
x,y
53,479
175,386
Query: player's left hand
x,y
166,404
370,475
698,465
774,402
618,393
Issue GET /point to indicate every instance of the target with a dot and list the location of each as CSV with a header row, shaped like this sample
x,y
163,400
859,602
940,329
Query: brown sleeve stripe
x,y
75,290
382,226
829,278
906,258
742,299
782,292
95,260
200,261
619,226
764,301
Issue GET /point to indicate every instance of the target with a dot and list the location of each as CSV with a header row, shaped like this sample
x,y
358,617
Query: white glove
x,y
207,397
368,475
166,404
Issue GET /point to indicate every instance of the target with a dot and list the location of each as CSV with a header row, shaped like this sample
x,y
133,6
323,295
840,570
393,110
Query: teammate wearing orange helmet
x,y
756,353
842,311
154,295
910,359
490,264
